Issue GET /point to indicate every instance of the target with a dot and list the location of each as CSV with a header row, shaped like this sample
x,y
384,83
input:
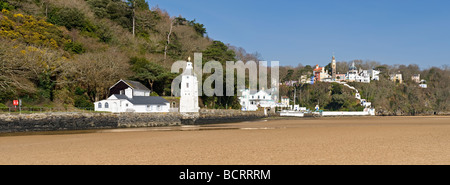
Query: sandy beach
x,y
343,140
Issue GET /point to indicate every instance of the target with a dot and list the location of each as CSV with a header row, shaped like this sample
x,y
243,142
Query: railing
x,y
31,110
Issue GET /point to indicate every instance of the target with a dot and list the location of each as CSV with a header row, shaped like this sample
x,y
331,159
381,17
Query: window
x,y
159,107
149,107
126,105
187,85
99,105
106,105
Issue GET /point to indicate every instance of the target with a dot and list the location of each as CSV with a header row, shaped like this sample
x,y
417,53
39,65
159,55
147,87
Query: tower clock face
x,y
333,65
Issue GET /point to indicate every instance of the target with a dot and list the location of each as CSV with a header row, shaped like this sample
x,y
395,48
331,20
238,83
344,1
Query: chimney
x,y
129,92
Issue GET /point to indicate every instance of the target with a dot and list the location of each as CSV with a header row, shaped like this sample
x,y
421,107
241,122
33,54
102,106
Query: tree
x,y
148,71
137,4
168,39
218,51
96,72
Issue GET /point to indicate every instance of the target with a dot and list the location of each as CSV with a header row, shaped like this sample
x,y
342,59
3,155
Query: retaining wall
x,y
81,121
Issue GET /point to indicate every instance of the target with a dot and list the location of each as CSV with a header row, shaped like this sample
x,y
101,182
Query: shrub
x,y
74,47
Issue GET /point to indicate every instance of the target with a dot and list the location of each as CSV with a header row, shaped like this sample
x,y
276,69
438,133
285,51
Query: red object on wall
x,y
16,102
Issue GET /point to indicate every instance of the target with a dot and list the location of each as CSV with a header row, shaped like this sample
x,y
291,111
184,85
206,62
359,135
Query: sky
x,y
309,32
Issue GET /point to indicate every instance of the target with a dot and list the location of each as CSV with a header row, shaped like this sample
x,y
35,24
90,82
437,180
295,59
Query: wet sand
x,y
343,140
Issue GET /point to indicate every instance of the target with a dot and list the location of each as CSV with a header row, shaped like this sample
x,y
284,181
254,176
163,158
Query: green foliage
x,y
3,105
71,18
139,4
81,99
6,6
74,47
150,73
199,28
289,75
329,96
118,11
218,51
46,85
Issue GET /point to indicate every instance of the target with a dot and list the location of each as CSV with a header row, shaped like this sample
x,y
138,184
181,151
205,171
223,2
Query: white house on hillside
x,y
131,96
374,74
250,100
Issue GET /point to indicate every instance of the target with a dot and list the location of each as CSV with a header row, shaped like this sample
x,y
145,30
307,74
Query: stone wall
x,y
56,121
148,119
81,121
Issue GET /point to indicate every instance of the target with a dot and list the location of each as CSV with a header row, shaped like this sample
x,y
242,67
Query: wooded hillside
x,y
67,53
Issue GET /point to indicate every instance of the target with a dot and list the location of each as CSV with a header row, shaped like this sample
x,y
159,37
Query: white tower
x,y
189,89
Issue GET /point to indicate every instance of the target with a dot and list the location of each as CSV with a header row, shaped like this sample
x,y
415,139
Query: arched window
x,y
106,105
99,105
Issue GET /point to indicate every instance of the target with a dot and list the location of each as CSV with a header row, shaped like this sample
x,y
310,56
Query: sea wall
x,y
82,121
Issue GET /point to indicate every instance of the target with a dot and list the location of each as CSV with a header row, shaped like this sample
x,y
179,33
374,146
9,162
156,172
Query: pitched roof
x,y
143,100
133,84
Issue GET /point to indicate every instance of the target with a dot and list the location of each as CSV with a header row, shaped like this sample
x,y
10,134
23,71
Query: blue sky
x,y
308,32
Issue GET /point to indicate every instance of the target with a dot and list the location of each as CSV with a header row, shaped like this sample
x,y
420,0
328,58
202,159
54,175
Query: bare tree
x,y
168,39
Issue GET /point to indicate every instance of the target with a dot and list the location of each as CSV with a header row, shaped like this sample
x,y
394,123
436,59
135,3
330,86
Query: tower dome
x,y
352,67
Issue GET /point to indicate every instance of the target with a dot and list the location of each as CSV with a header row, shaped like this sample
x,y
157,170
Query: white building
x,y
189,90
251,100
352,73
285,101
355,75
374,74
131,96
423,84
363,76
415,78
396,77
